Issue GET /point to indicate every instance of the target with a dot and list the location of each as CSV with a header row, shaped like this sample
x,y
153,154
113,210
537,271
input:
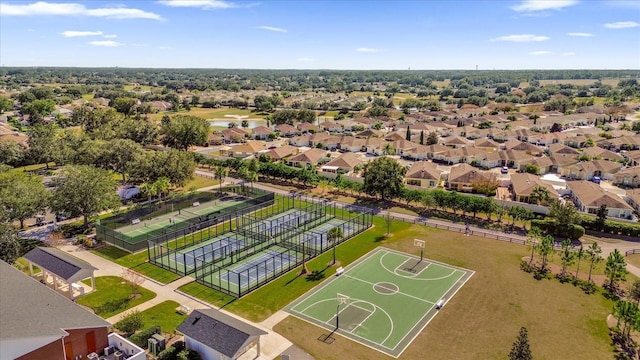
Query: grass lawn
x,y
137,262
23,265
209,113
165,315
199,182
633,260
113,296
487,312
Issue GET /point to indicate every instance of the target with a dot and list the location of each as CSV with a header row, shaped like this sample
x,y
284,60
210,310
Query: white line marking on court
x,y
399,292
412,277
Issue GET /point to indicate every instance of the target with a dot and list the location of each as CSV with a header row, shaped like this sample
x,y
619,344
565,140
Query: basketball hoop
x,y
419,243
343,299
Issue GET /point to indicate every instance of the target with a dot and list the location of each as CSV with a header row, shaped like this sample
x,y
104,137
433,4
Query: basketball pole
x,y
337,317
421,253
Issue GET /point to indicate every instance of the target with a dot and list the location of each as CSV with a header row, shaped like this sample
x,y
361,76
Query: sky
x,y
361,35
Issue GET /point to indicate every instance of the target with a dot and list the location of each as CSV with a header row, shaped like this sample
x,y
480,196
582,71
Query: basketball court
x,y
383,300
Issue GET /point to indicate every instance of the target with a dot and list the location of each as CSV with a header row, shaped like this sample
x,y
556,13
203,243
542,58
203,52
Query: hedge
x,y
573,232
141,338
612,227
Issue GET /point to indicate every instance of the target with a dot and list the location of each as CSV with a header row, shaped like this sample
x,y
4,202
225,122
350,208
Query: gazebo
x,y
61,266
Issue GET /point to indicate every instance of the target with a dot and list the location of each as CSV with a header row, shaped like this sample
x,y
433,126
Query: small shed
x,y
216,336
62,267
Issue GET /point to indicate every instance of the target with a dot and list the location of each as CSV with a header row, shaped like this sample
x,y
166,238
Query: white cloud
x,y
107,43
203,4
569,53
580,34
71,9
521,38
368,50
306,59
110,36
630,4
164,47
541,52
271,28
71,33
543,5
622,25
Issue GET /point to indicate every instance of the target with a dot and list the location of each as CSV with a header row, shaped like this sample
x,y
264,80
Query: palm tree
x,y
388,149
162,185
220,172
334,235
540,194
252,177
149,190
593,252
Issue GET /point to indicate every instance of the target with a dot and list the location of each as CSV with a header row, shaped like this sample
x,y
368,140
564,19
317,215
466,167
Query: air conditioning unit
x,y
156,344
92,356
119,355
109,350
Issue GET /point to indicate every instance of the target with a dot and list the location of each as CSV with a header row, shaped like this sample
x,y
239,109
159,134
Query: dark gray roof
x,y
31,309
219,331
58,262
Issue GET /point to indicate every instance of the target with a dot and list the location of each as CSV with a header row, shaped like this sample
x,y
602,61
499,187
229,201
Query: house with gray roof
x,y
217,336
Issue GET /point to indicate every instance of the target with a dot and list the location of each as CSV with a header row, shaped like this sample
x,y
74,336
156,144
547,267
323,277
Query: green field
x,y
164,315
383,300
113,296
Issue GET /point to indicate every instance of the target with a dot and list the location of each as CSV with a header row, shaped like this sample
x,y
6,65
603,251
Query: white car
x,y
504,170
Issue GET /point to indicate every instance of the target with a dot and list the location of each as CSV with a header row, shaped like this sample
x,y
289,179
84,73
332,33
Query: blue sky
x,y
562,34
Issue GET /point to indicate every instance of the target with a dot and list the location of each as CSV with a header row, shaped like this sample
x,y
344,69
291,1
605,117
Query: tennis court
x,y
317,238
178,219
274,225
383,300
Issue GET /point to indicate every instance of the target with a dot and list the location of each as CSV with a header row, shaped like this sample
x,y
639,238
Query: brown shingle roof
x,y
424,170
524,183
465,173
592,195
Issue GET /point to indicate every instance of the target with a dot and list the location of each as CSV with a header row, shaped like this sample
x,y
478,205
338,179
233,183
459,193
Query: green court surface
x,y
179,219
383,300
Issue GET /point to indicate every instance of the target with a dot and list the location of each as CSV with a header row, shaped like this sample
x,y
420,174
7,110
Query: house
x,y
234,135
455,142
375,146
633,198
628,177
344,163
249,148
586,170
215,139
463,176
282,152
423,174
588,197
621,143
218,336
597,152
455,156
261,132
39,323
522,184
633,157
526,147
367,133
311,157
287,130
352,144
331,127
66,271
307,128
557,149
486,144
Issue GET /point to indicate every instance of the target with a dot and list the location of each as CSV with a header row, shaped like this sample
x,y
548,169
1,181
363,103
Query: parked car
x,y
504,170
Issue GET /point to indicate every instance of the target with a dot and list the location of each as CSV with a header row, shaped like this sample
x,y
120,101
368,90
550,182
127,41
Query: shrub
x,y
130,323
169,353
188,354
141,338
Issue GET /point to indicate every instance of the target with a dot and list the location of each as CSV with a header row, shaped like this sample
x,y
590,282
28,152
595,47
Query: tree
x,y
334,235
545,248
183,131
601,216
593,252
134,279
130,322
485,183
38,109
422,137
125,105
579,255
384,176
149,191
120,155
520,349
323,184
388,149
408,136
628,313
162,186
533,238
245,123
221,172
432,139
5,104
22,196
567,255
149,166
531,169
84,191
11,153
615,270
540,194
10,247
565,213
42,144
